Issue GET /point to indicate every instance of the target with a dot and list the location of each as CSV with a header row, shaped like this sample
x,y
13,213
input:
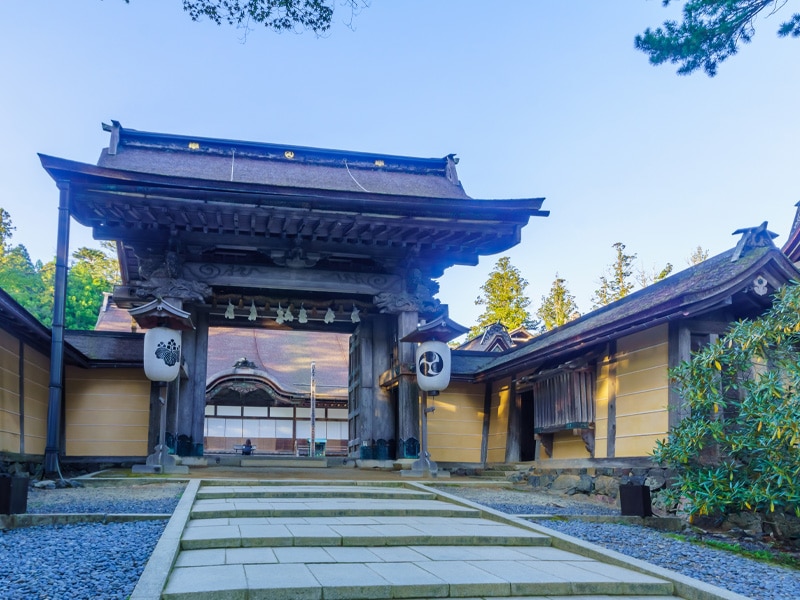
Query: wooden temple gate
x,y
224,228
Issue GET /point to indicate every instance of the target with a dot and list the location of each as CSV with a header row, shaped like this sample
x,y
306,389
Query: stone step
x,y
413,572
348,541
354,531
325,507
311,491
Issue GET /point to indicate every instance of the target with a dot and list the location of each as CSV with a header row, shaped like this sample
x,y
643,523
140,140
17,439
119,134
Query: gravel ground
x,y
744,576
105,561
88,560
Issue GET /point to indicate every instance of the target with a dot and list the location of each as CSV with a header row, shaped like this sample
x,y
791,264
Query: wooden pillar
x,y
487,411
191,404
154,422
680,342
611,447
380,360
365,388
198,371
407,391
514,436
53,443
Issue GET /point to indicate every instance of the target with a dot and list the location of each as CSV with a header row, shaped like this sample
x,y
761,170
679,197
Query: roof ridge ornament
x,y
752,237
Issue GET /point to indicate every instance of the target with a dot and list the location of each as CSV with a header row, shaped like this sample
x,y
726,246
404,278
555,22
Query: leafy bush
x,y
739,449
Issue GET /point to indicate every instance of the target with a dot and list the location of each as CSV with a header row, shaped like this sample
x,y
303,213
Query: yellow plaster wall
x,y
107,412
642,391
498,421
37,391
601,409
455,428
567,445
9,393
36,368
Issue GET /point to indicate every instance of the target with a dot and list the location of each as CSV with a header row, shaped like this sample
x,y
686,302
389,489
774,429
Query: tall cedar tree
x,y
711,32
504,298
617,282
559,306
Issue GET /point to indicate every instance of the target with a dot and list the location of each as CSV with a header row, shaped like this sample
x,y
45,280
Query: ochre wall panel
x,y
642,391
107,412
455,428
9,393
94,448
498,421
567,445
37,392
638,445
601,409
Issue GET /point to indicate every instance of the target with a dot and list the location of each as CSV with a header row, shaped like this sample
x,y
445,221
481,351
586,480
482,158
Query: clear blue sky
x,y
537,98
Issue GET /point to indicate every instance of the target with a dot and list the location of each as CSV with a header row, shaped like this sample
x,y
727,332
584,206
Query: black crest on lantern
x,y
430,363
170,352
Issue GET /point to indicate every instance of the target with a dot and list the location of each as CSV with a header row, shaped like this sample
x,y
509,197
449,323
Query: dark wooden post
x,y
513,441
56,390
611,448
407,392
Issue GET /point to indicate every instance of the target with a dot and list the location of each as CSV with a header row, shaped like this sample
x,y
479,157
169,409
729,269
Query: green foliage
x,y
91,273
504,298
20,278
739,449
277,15
711,31
559,306
6,228
697,256
617,282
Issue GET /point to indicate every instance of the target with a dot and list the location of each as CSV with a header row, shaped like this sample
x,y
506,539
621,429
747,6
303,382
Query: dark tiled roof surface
x,y
282,173
279,165
105,347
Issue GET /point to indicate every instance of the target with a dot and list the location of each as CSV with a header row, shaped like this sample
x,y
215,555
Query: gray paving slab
x,y
223,582
411,581
281,582
354,581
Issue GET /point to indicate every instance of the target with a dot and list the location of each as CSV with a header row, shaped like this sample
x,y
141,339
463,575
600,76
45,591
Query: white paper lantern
x,y
433,366
162,354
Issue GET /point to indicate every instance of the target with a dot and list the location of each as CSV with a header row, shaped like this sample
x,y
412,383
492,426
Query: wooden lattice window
x,y
563,400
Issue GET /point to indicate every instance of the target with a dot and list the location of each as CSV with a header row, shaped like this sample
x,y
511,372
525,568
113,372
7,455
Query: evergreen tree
x,y
646,278
91,273
559,306
698,255
504,298
616,283
20,278
277,15
711,31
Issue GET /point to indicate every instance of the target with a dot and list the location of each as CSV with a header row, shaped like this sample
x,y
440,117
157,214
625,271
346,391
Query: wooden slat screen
x,y
564,400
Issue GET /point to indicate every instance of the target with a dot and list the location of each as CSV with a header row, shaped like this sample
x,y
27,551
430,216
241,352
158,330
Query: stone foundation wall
x,y
600,482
